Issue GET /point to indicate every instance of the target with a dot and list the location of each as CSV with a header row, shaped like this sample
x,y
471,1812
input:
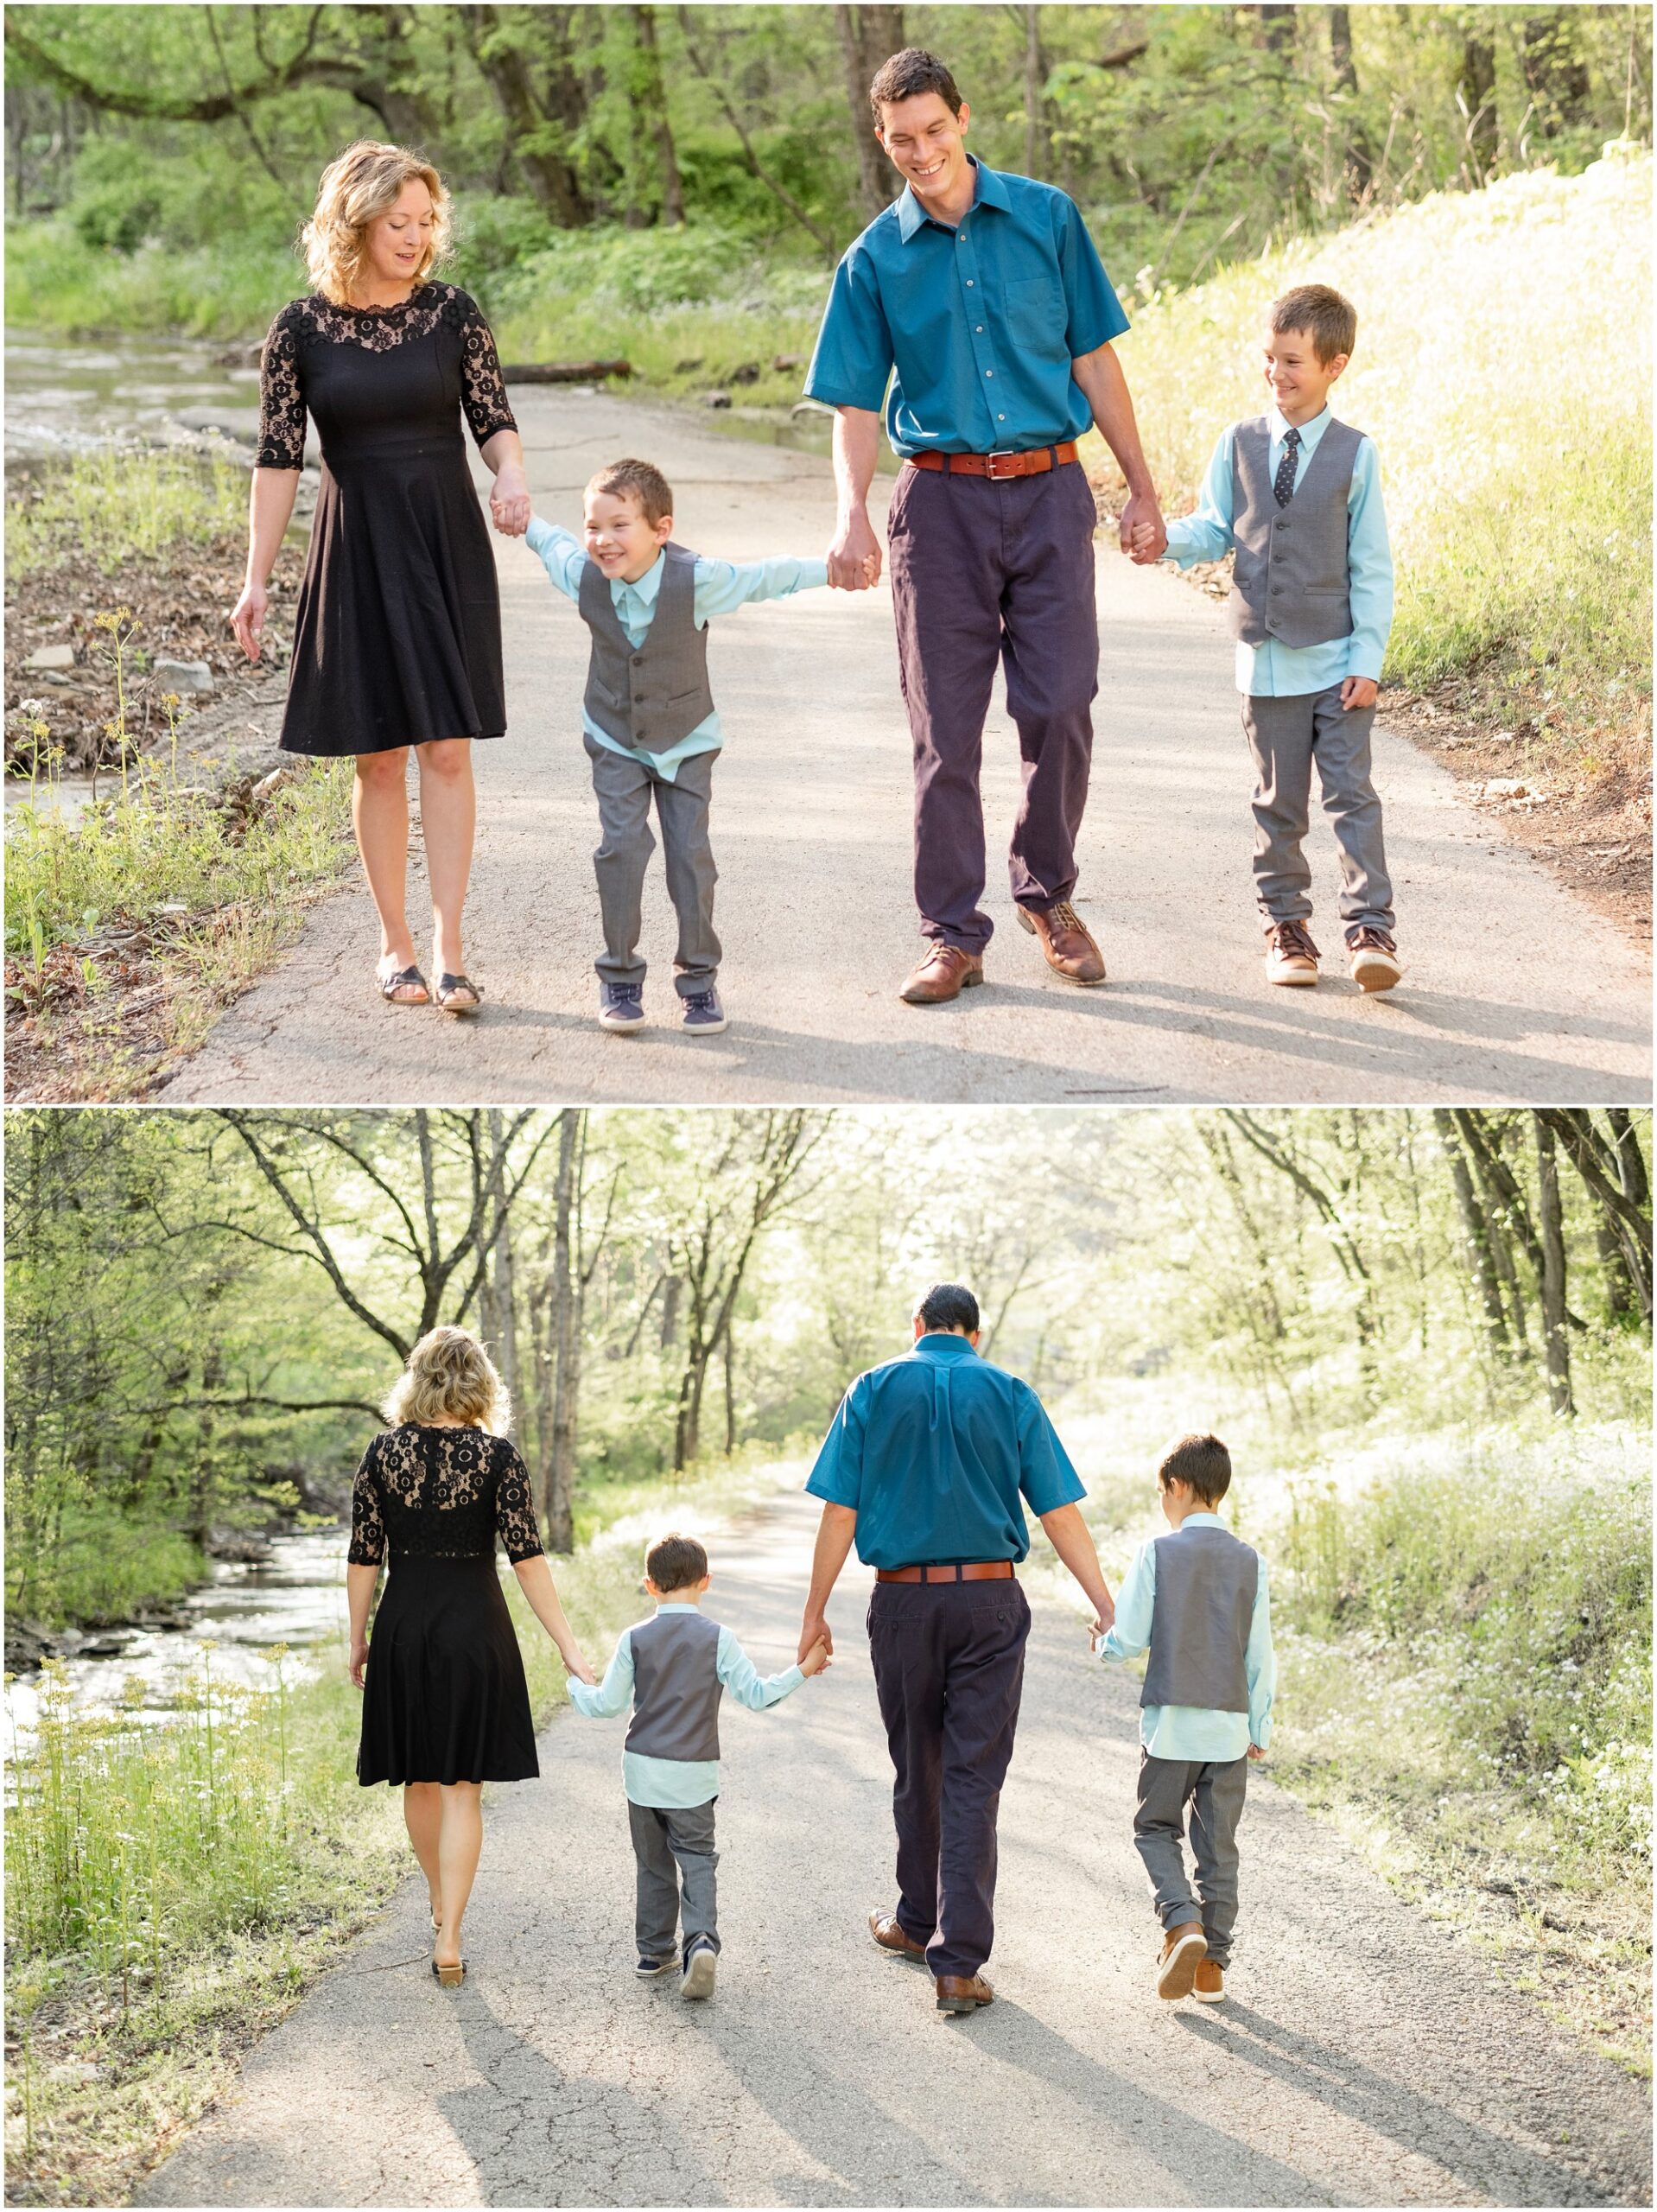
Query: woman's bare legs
x,y
448,815
422,1808
379,814
460,1842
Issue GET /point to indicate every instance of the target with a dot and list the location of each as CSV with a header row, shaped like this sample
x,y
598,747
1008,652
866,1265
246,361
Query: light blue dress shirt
x,y
677,1782
1275,671
1195,1731
980,320
721,586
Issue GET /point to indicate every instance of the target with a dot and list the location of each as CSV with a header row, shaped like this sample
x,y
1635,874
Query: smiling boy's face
x,y
1297,379
618,537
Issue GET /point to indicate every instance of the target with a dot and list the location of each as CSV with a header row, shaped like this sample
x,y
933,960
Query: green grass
x,y
120,504
100,1565
58,284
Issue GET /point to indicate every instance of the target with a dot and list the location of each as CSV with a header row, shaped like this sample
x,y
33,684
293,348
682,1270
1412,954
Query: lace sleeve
x,y
514,1508
281,400
367,1528
483,388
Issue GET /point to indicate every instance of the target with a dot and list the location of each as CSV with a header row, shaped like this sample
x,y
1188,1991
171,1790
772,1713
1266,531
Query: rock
x,y
716,399
269,785
688,368
51,656
1507,787
239,1546
183,675
247,355
101,1645
783,362
26,1644
748,374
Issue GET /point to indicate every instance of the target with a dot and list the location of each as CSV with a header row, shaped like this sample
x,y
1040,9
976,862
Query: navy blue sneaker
x,y
702,1014
647,1967
621,1005
698,1969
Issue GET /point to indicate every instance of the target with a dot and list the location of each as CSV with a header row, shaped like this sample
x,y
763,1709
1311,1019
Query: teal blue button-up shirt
x,y
980,323
936,1454
677,1782
1275,671
1195,1731
721,588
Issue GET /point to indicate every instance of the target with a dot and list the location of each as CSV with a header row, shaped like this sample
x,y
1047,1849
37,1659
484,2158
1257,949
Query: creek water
x,y
297,1597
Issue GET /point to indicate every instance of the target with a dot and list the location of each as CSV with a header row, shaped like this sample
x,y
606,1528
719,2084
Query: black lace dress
x,y
397,636
445,1698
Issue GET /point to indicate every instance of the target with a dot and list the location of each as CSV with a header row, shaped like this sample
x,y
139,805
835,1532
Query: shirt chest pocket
x,y
1035,320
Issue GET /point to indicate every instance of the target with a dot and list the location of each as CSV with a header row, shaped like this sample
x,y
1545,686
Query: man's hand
x,y
1145,534
854,556
358,1660
815,1659
815,1630
1255,1752
1359,691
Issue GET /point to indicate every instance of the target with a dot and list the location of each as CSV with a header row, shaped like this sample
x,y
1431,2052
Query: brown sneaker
x,y
887,1933
963,1992
1375,963
1065,942
1291,956
1176,1967
1210,1986
943,972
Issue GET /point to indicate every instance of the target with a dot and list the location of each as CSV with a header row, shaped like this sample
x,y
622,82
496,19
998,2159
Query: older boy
x,y
648,722
674,1668
1197,1600
1297,494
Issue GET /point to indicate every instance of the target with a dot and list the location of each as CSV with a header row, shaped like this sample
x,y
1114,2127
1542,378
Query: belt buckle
x,y
999,476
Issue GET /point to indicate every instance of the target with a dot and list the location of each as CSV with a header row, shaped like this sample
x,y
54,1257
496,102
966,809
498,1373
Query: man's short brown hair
x,y
908,75
675,1562
1202,1461
636,480
1328,318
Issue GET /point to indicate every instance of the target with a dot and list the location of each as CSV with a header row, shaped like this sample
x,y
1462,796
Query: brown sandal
x,y
406,980
450,1977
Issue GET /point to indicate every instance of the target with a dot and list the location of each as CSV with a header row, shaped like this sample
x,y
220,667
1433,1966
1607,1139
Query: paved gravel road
x,y
1366,2058
1515,992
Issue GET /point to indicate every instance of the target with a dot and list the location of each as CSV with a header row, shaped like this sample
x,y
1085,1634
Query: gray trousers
x,y
1214,1790
625,785
671,1843
1285,736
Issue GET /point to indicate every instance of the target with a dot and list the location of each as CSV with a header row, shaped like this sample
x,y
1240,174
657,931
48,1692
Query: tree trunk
x,y
1360,160
1035,76
537,126
1556,76
730,1389
652,105
1476,88
1278,19
1477,1228
1556,1345
868,36
672,1292
561,1484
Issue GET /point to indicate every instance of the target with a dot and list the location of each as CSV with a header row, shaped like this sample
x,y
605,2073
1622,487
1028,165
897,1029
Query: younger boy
x,y
674,1668
1296,495
649,721
1197,1601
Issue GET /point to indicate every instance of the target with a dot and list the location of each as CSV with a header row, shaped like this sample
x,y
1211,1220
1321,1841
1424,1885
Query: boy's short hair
x,y
674,1562
636,480
948,1305
909,74
1202,1461
1328,317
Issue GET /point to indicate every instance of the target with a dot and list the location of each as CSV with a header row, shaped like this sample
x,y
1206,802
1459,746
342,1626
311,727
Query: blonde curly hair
x,y
364,182
450,1378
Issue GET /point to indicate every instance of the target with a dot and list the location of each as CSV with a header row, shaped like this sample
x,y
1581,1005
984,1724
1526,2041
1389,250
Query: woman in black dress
x,y
445,1706
396,640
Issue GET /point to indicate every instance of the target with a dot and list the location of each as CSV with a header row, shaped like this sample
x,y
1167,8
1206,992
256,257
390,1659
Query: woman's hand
x,y
247,617
358,1660
574,1664
509,503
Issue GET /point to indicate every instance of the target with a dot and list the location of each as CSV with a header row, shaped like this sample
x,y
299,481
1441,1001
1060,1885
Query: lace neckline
x,y
347,307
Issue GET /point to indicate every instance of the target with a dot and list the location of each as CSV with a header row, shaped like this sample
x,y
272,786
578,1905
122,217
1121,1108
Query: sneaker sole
x,y
699,1976
1177,1974
1208,1996
621,1028
703,1028
1294,979
1082,982
1373,974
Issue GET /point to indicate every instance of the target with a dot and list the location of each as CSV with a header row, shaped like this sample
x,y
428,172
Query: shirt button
x,y
969,283
978,328
1000,418
989,372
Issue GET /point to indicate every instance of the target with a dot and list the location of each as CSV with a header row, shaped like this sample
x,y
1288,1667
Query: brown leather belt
x,y
982,1570
997,466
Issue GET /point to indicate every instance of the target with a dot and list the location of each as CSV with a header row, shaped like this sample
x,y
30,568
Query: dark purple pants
x,y
981,570
949,1670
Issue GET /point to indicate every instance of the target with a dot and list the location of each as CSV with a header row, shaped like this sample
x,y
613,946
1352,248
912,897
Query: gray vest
x,y
649,696
676,1688
1289,580
1206,1582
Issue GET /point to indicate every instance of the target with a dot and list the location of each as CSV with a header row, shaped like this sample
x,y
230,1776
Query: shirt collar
x,y
943,1344
645,590
679,1606
988,191
1206,1520
1311,432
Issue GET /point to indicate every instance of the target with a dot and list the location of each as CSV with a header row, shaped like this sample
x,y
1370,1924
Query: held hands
x,y
815,1659
574,1664
247,617
814,1631
854,556
357,1661
1144,533
1359,691
1255,1752
509,503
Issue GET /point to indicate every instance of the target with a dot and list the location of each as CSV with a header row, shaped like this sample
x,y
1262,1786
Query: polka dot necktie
x,y
1283,482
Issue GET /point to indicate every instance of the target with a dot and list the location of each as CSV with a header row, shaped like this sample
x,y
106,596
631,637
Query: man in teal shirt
x,y
977,312
930,1465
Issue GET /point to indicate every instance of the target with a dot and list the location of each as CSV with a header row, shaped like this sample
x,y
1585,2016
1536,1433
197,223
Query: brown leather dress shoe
x,y
1065,942
963,1992
943,972
890,1937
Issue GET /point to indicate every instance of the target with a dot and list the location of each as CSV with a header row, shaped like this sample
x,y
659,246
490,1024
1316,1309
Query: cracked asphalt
x,y
1367,2057
1516,990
